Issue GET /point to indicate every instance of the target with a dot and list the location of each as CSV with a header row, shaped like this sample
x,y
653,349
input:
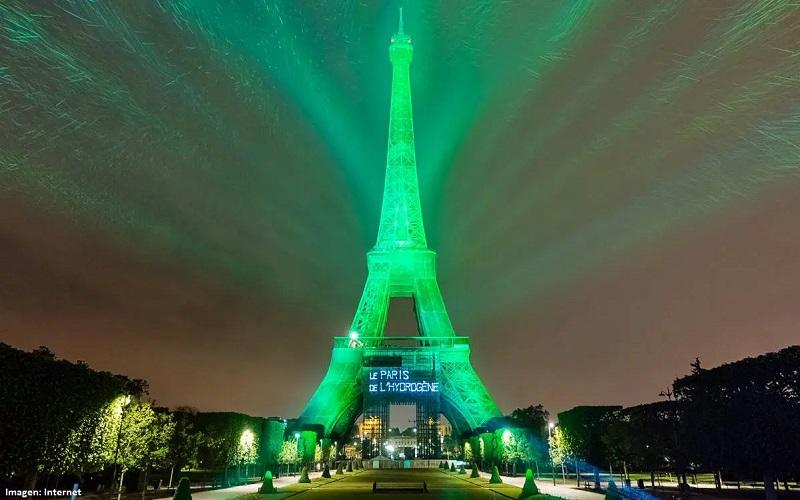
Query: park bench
x,y
404,487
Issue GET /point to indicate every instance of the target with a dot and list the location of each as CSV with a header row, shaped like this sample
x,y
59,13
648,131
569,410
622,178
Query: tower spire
x,y
400,26
401,224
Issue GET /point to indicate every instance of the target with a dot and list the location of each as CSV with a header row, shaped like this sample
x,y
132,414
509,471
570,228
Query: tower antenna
x,y
400,27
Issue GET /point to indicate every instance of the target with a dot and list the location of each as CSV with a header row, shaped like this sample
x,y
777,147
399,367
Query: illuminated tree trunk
x,y
144,485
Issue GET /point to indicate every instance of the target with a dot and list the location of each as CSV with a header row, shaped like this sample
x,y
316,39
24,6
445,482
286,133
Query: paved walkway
x,y
359,484
237,491
560,490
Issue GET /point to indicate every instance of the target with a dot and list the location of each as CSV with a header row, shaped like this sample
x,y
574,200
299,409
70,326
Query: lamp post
x,y
300,450
550,426
125,402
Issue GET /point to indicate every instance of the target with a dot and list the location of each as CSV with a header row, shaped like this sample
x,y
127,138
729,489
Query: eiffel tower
x,y
400,265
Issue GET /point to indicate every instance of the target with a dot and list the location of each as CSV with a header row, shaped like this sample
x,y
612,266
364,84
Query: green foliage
x,y
529,489
339,470
223,446
288,453
461,469
561,450
644,436
307,445
326,472
55,416
247,449
266,485
532,418
186,441
492,446
350,466
468,452
474,472
145,437
271,442
495,479
183,491
304,476
327,450
744,417
452,467
521,445
584,427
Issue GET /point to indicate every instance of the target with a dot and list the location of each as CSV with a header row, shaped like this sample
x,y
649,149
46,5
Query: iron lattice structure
x,y
401,265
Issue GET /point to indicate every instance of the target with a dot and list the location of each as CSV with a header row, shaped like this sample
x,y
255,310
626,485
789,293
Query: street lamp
x,y
124,402
299,448
550,426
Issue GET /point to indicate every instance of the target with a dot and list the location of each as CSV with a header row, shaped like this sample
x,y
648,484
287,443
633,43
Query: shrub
x,y
475,472
183,491
266,486
529,489
495,479
612,492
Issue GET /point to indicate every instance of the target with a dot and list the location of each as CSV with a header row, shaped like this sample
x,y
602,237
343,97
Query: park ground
x,y
442,485
359,485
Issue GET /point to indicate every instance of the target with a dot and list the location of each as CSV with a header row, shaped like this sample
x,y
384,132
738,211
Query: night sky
x,y
188,188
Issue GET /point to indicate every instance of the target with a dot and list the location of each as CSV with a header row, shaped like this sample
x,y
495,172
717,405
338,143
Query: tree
x,y
222,448
561,451
515,446
307,445
51,413
585,427
90,445
533,418
184,449
271,442
288,454
144,438
247,451
742,417
644,437
492,447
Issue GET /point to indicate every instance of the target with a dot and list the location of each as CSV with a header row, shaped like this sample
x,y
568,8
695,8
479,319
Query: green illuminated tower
x,y
401,265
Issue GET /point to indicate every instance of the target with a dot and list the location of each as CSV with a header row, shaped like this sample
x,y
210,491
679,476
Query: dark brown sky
x,y
187,196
